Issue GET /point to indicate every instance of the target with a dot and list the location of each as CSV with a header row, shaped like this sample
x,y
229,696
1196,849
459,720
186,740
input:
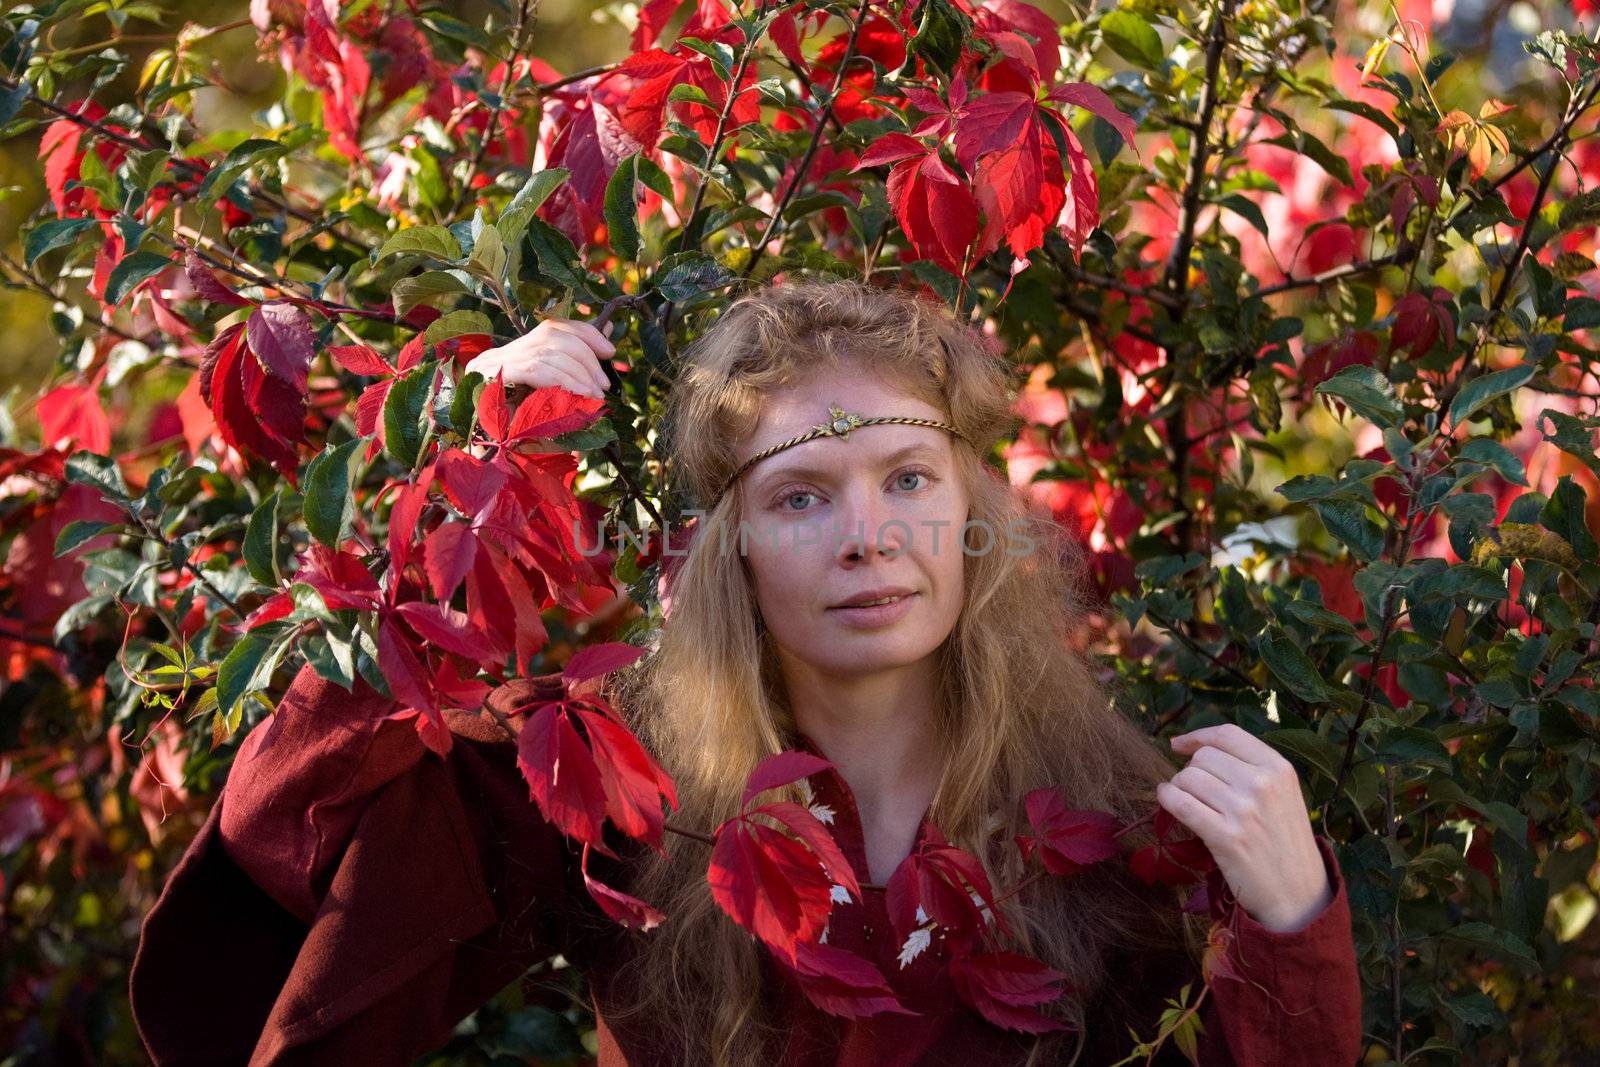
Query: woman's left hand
x,y
1240,797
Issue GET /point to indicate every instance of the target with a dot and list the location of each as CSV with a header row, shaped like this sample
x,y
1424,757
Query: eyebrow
x,y
801,470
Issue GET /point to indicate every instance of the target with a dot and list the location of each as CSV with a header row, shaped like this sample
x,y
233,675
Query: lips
x,y
868,597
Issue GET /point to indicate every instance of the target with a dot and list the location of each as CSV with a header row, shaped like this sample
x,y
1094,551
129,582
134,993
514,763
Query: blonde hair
x,y
1022,708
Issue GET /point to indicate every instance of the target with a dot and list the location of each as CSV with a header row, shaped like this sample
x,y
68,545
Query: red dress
x,y
352,896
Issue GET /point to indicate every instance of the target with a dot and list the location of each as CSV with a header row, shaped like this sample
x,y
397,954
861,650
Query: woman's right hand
x,y
561,352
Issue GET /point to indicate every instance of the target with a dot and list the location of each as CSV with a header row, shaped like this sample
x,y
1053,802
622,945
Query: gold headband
x,y
839,425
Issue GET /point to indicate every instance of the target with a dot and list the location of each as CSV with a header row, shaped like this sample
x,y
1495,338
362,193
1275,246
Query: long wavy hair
x,y
1023,710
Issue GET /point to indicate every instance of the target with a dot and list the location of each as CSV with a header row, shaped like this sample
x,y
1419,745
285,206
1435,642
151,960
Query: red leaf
x,y
994,122
451,631
629,911
561,774
448,554
1172,859
207,284
234,383
935,209
592,661
281,337
942,880
781,769
72,414
360,359
341,578
771,884
494,415
1081,212
404,515
890,148
634,783
1419,320
470,483
1068,840
407,679
1323,361
552,410
275,607
806,826
1004,986
1093,99
653,18
844,984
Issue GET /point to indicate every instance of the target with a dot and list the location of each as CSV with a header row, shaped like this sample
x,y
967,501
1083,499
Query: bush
x,y
1305,339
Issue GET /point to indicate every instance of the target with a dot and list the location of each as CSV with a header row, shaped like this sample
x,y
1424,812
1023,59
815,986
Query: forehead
x,y
797,408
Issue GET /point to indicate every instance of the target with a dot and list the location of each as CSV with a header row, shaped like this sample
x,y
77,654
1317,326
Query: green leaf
x,y
1368,112
942,32
1574,436
1478,392
464,402
597,435
57,233
1306,144
688,274
1495,942
132,270
1287,660
436,242
238,670
513,223
455,324
100,473
1493,454
687,92
329,504
558,259
75,533
1347,521
1367,392
406,420
436,285
1246,209
261,541
1132,38
622,210
1564,513
488,259
1310,746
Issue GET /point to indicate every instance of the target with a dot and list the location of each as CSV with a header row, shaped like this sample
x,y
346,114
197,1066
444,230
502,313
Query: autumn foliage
x,y
1302,330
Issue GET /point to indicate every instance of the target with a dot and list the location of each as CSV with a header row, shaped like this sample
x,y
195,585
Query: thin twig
x,y
811,147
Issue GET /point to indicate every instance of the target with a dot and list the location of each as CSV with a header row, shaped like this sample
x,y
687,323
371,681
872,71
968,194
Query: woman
x,y
873,593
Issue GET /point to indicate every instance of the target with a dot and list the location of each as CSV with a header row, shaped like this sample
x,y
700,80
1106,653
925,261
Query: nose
x,y
868,526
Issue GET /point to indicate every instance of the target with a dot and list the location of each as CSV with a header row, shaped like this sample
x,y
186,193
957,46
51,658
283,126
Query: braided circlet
x,y
839,424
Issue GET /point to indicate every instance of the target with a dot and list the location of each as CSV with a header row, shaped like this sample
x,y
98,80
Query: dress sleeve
x,y
1297,997
351,895
1287,997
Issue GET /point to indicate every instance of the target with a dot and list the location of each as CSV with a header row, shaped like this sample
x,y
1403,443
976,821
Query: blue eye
x,y
790,496
913,474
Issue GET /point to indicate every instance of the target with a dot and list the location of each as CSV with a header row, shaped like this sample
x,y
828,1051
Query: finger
x,y
1205,822
584,370
1224,765
590,349
1230,738
571,379
587,333
1215,793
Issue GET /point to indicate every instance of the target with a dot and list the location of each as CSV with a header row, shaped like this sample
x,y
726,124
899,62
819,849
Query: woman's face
x,y
833,518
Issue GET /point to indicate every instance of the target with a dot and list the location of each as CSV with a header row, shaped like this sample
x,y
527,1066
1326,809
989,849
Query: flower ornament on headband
x,y
839,424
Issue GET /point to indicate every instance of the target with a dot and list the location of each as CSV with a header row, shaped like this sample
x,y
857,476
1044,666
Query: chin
x,y
857,653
